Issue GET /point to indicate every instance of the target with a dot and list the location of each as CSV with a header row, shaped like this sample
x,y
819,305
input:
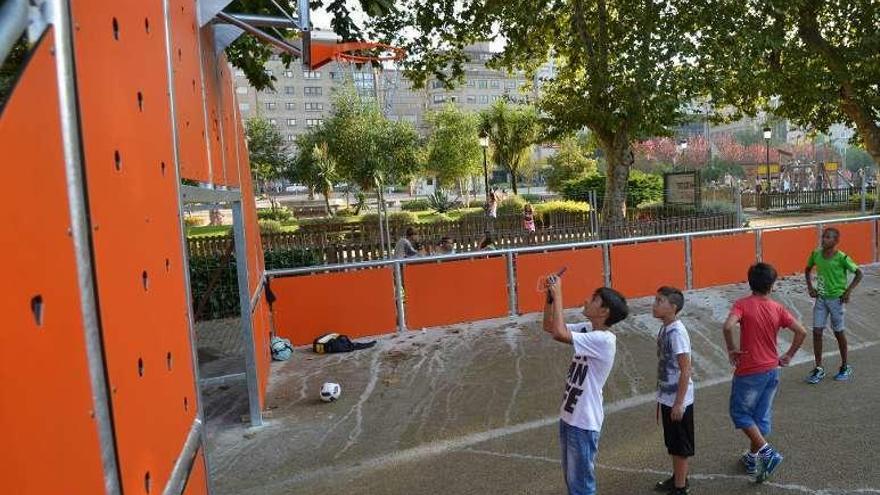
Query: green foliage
x,y
453,148
193,221
289,258
571,161
441,202
718,169
564,206
511,205
269,226
856,200
419,204
532,198
267,150
718,208
281,214
642,187
394,217
11,67
345,212
512,131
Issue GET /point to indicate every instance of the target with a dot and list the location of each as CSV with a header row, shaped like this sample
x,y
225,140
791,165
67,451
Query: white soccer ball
x,y
330,392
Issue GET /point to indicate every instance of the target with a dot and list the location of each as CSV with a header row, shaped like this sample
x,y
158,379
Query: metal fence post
x,y
398,297
864,191
737,197
606,263
874,226
688,263
759,250
247,331
511,284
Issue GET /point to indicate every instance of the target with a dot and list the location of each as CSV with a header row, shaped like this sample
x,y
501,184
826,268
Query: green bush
x,y
269,226
476,203
856,200
193,221
345,212
290,258
441,202
643,187
395,217
718,208
558,206
532,198
420,204
512,204
280,214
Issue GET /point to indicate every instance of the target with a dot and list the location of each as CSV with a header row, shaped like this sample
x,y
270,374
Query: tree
x,y
512,130
623,68
325,166
314,166
10,68
571,161
453,147
819,58
268,153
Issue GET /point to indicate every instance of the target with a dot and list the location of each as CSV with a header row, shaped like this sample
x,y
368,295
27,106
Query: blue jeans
x,y
751,400
579,449
825,308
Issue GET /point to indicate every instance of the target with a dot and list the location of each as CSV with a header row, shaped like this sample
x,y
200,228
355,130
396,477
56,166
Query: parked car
x,y
296,188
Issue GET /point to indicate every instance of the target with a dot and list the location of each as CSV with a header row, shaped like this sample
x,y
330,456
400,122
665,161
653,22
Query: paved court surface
x,y
472,409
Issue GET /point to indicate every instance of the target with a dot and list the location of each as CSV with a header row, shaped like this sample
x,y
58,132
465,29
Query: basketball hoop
x,y
358,52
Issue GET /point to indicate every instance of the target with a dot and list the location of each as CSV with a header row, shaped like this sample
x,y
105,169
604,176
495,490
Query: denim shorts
x,y
751,400
579,449
825,308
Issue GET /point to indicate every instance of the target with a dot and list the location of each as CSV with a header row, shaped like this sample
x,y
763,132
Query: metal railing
x,y
511,253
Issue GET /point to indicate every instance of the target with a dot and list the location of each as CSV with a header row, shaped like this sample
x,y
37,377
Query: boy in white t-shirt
x,y
675,389
581,413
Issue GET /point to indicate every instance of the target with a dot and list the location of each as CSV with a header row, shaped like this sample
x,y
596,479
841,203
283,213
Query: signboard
x,y
831,166
762,169
682,188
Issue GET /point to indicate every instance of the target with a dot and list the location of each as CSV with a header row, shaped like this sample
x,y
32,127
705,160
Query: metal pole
x,y
283,45
244,298
737,196
398,298
382,245
767,147
511,284
183,466
485,174
194,356
606,263
688,263
864,188
80,229
759,245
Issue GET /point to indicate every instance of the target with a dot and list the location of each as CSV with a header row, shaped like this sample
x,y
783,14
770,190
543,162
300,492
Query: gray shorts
x,y
825,308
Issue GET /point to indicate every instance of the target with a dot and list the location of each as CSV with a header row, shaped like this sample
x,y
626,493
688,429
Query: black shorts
x,y
678,435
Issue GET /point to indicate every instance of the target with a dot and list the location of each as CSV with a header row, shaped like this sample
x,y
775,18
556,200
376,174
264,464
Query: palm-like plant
x,y
325,171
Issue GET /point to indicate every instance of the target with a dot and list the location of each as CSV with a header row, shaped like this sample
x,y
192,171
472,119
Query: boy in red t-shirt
x,y
757,366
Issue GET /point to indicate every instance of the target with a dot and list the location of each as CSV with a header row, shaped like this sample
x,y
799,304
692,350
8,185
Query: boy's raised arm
x,y
733,351
554,321
800,333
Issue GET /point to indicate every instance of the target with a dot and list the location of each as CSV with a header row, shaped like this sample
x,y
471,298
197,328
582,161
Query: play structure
x,y
124,112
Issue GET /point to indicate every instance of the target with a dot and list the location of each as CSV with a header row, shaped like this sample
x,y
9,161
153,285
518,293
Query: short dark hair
x,y
410,232
762,276
673,295
614,302
832,229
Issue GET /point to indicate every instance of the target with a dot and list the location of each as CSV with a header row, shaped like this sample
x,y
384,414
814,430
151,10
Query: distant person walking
x,y
529,218
405,247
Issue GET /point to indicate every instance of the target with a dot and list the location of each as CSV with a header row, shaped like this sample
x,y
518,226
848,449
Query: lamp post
x,y
484,143
767,134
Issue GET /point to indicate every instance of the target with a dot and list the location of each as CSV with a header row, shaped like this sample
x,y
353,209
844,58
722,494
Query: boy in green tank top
x,y
831,293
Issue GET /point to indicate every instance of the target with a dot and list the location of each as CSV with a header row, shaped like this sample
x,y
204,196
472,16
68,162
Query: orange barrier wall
x,y
122,86
261,330
723,259
50,439
788,249
857,240
211,74
197,477
357,304
584,274
639,269
455,291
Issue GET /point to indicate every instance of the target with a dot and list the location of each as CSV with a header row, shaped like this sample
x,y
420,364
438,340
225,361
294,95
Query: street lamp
x,y
767,134
484,143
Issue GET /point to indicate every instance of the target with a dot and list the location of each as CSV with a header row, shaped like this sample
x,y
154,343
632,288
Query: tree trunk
x,y
619,161
311,193
326,193
512,179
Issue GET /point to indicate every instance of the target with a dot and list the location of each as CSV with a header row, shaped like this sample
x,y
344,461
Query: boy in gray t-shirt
x,y
675,389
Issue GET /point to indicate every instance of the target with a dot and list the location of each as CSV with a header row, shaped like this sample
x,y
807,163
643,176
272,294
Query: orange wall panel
x,y
857,240
357,304
455,291
188,94
720,260
133,206
231,126
197,482
583,275
211,73
788,249
639,269
50,441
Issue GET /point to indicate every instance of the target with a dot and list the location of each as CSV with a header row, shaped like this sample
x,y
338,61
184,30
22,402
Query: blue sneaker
x,y
750,462
816,375
769,461
844,374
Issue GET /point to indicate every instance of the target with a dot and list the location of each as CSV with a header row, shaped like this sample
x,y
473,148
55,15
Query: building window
x,y
436,84
314,122
409,118
242,90
484,99
439,98
334,75
314,107
273,121
471,83
288,74
311,74
244,106
312,91
482,83
290,105
511,85
496,97
290,138
494,84
270,105
288,90
471,99
291,122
